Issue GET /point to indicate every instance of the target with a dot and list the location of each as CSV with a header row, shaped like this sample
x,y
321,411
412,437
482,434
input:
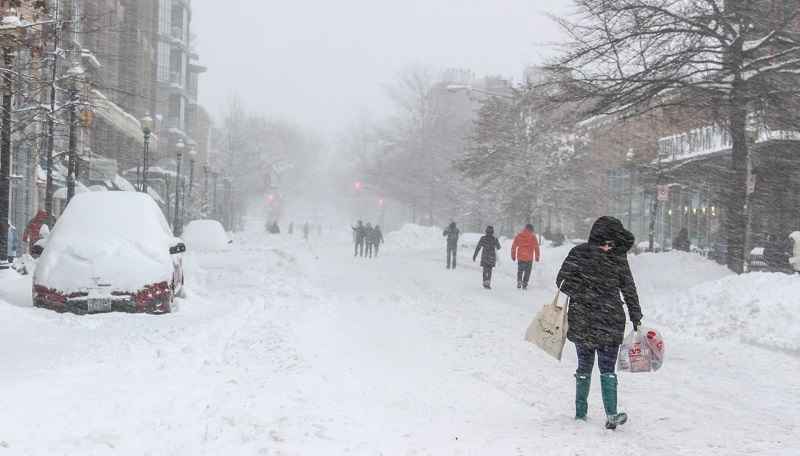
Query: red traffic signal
x,y
358,185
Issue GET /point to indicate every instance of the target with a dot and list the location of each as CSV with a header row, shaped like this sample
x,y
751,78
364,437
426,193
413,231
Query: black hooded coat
x,y
594,279
490,245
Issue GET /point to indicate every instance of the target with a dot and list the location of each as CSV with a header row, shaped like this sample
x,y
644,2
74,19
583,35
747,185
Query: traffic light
x,y
380,202
270,199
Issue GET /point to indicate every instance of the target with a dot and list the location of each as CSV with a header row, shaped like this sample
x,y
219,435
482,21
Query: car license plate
x,y
99,305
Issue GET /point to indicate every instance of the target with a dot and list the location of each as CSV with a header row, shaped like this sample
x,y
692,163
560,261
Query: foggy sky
x,y
318,62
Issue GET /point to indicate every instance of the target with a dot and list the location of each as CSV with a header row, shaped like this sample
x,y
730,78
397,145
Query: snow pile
x,y
15,289
673,271
205,236
758,308
415,237
121,238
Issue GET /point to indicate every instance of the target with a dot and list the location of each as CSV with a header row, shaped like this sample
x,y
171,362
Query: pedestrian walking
x,y
291,229
378,239
306,231
359,233
32,232
525,250
682,242
369,239
490,245
593,276
452,234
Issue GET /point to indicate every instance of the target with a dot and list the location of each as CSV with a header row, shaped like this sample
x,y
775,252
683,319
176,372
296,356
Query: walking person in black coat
x,y
359,235
490,246
378,239
593,276
452,234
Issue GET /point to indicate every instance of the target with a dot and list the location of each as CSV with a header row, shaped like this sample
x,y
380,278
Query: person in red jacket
x,y
525,250
32,231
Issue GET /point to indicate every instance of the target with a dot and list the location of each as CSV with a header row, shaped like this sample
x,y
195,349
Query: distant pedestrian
x,y
31,235
525,250
359,235
378,234
490,245
291,228
682,242
777,254
306,231
369,239
452,234
594,275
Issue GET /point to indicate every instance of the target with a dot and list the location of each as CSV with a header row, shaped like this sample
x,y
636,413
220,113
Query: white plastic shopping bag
x,y
548,330
641,351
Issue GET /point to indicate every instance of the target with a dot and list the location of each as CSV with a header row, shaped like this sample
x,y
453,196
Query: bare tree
x,y
729,58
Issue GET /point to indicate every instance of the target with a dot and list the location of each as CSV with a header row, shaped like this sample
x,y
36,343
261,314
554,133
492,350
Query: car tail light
x,y
48,297
151,296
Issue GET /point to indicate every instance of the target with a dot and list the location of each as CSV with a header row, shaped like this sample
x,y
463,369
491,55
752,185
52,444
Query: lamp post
x,y
192,156
204,207
629,164
147,129
214,211
75,73
176,223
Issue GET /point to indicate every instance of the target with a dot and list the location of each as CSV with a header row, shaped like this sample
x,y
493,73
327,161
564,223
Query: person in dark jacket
x,y
377,239
452,234
306,230
359,235
593,276
682,242
369,239
777,254
490,245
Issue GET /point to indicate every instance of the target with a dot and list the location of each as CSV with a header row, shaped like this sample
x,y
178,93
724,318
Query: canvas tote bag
x,y
548,330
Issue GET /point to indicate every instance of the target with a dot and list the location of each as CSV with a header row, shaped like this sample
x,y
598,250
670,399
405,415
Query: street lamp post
x,y
147,129
75,72
204,207
192,156
629,162
176,221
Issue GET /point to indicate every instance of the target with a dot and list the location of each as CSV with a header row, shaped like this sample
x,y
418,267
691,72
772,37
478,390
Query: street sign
x,y
663,192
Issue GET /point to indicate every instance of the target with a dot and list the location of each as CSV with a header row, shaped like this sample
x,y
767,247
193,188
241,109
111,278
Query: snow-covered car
x,y
205,236
110,251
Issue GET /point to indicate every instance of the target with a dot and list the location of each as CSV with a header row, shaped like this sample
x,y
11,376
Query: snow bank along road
x,y
284,348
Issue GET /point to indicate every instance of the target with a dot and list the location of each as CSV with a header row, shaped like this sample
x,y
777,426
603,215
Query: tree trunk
x,y
736,220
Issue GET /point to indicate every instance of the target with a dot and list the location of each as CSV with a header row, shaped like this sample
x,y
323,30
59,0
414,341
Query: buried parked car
x,y
110,251
205,236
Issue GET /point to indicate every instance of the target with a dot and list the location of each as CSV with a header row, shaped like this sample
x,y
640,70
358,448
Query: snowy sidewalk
x,y
278,352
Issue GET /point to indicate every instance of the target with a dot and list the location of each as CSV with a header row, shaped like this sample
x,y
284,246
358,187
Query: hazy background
x,y
318,62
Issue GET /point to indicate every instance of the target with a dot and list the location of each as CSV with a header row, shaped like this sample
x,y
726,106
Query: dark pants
x,y
451,256
369,250
606,359
524,272
359,248
487,274
377,248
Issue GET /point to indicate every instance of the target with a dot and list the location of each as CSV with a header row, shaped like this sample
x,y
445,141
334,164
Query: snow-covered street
x,y
283,347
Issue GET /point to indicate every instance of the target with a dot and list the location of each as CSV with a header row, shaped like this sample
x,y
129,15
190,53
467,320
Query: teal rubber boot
x,y
582,384
608,385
